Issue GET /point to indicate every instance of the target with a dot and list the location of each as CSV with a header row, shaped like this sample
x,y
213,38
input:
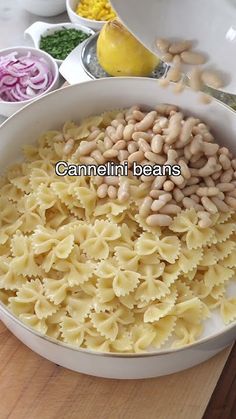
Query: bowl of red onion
x,y
25,74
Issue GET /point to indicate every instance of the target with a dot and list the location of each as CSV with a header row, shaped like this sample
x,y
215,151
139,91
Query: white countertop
x,y
13,22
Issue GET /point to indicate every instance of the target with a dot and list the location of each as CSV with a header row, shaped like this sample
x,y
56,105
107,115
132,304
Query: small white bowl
x,y
9,108
44,8
71,5
39,29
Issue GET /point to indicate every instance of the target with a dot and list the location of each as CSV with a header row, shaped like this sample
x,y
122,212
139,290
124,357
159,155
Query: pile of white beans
x,y
179,53
163,136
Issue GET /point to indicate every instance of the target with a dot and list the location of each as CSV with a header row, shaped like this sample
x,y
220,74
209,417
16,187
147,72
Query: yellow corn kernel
x,y
95,9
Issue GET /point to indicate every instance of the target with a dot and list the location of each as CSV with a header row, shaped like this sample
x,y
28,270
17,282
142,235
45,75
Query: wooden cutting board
x,y
34,388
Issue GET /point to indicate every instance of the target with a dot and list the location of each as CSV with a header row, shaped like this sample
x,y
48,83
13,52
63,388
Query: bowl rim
x,y
44,54
169,351
68,5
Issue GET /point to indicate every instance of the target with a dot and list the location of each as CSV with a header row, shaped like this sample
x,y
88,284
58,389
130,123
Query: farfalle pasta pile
x,y
90,271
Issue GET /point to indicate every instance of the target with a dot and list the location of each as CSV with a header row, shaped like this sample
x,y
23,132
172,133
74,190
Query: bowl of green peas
x,y
58,40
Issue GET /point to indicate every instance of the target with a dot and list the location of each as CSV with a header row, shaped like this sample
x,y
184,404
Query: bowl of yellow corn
x,y
90,13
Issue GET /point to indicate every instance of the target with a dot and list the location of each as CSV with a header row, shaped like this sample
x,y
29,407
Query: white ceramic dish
x,y
71,5
39,29
76,102
72,68
46,8
9,108
209,24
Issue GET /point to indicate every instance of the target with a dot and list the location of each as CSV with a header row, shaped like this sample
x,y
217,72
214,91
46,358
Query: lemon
x,y
121,54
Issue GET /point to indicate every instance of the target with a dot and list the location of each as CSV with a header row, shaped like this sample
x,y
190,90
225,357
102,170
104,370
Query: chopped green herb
x,y
60,44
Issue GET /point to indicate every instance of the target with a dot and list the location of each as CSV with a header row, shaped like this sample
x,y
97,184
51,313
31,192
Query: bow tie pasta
x,y
122,264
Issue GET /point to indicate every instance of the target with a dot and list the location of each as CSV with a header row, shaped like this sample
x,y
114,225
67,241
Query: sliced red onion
x,y
24,77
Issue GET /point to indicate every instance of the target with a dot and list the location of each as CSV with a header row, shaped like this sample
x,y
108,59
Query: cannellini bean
x,y
69,146
209,168
227,176
190,57
231,201
97,155
136,157
178,195
143,145
186,132
197,162
189,203
187,152
147,122
155,158
167,57
165,109
93,134
102,191
209,181
120,145
145,207
155,194
225,187
208,137
232,193
209,205
177,180
159,203
147,179
174,74
138,115
195,198
158,182
179,87
195,81
217,175
184,169
123,191
225,162
85,148
123,155
157,144
221,205
193,181
128,132
132,147
174,128
158,220
189,190
234,164
170,209
196,144
205,222
211,191
87,160
112,192
159,125
119,132
98,180
111,180
108,143
168,186
178,47
205,99
212,78
110,154
210,149
141,135
162,44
